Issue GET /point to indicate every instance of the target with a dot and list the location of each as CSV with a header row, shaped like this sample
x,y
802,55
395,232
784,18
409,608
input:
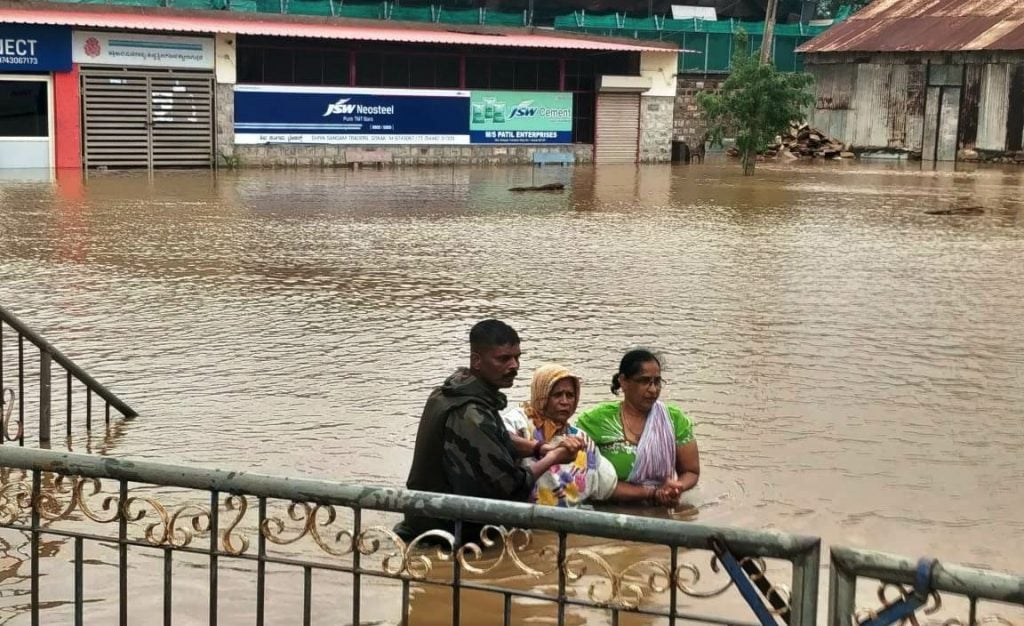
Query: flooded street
x,y
855,367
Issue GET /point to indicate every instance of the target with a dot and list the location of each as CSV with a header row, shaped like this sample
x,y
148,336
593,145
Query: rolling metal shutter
x,y
140,118
115,120
618,128
182,109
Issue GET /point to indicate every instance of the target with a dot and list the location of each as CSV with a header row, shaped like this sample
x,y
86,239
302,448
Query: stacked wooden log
x,y
804,142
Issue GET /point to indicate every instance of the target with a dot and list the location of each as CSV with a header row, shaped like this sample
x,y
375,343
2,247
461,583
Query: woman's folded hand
x,y
570,443
669,492
562,454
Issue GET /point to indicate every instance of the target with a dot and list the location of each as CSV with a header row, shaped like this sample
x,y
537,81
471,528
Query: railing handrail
x,y
764,543
947,577
45,346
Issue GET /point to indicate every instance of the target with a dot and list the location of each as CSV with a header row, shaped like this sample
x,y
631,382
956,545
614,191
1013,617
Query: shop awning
x,y
209,22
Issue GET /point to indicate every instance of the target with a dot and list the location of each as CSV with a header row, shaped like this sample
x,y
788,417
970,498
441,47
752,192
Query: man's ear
x,y
475,358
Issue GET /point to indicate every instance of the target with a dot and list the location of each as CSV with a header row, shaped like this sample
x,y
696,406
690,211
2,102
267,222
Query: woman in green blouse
x,y
648,441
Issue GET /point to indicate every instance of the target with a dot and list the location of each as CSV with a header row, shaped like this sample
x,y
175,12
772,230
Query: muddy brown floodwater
x,y
855,366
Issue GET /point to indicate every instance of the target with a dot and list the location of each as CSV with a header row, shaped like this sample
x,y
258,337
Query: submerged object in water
x,y
547,187
967,210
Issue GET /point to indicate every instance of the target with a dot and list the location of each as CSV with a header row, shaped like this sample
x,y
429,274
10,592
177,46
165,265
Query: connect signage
x,y
276,114
520,117
34,48
129,49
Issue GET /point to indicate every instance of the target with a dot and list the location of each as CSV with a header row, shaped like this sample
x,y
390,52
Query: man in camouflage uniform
x,y
462,446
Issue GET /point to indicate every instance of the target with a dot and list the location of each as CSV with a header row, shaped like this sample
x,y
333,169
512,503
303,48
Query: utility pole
x,y
769,31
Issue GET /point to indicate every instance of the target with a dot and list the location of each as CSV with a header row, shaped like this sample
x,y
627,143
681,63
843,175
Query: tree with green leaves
x,y
829,8
756,103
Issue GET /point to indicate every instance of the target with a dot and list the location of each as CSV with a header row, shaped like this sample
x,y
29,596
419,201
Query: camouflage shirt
x,y
463,448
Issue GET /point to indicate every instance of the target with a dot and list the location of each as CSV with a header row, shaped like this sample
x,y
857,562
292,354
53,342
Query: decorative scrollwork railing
x,y
11,431
522,551
176,526
313,525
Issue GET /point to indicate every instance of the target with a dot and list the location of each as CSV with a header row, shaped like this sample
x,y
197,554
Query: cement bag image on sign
x,y
266,114
521,117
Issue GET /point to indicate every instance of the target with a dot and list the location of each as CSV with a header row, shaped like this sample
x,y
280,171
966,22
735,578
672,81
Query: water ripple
x,y
854,366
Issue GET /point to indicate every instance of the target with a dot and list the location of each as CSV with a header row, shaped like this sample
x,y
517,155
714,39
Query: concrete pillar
x,y
656,119
227,74
657,105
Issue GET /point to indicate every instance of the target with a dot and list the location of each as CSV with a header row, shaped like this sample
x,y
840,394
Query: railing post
x,y
79,580
24,332
122,554
68,406
1,365
21,390
44,397
562,578
457,577
842,594
804,602
261,563
37,478
357,529
214,538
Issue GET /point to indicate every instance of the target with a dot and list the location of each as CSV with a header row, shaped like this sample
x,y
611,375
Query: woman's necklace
x,y
633,436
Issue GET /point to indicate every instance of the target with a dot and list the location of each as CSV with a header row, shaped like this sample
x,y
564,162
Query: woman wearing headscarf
x,y
649,442
544,419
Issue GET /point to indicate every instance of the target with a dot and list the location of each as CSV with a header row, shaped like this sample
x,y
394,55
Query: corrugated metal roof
x,y
927,26
135,18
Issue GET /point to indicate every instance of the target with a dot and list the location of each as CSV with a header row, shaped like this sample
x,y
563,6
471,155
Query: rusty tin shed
x,y
940,78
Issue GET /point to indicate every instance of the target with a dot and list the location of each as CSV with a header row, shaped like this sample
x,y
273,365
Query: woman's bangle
x,y
650,494
536,449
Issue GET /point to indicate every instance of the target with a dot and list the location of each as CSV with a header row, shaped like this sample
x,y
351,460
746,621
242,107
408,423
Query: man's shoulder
x,y
469,425
475,411
481,412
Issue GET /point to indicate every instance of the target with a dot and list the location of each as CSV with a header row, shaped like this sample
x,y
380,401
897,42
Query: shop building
x,y
164,88
147,100
36,78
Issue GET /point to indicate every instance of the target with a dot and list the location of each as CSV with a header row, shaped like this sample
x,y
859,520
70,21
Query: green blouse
x,y
604,425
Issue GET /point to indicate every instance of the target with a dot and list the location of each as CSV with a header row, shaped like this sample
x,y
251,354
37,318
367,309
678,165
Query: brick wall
x,y
689,124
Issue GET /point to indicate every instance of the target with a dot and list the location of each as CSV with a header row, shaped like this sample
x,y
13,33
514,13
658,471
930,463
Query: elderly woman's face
x,y
561,401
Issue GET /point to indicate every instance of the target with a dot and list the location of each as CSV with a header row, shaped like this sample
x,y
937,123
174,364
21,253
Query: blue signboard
x,y
276,114
27,48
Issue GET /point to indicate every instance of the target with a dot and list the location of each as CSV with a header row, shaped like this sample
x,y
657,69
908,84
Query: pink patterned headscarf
x,y
656,452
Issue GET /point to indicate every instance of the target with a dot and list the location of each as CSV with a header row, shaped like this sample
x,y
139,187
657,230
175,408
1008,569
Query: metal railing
x,y
901,589
302,532
11,430
85,526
